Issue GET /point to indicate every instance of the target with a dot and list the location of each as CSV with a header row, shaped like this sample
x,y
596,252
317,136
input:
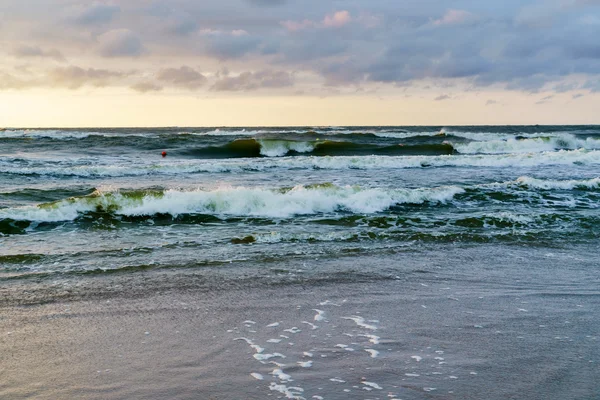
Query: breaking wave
x,y
232,201
547,184
527,145
252,147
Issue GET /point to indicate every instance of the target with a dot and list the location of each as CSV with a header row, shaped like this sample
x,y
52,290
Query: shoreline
x,y
422,336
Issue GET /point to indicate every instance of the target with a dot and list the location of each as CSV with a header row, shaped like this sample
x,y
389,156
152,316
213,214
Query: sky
x,y
76,63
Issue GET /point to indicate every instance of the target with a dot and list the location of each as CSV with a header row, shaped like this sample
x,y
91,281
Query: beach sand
x,y
159,335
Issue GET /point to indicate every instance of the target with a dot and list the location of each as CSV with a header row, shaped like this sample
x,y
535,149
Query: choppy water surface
x,y
300,263
81,200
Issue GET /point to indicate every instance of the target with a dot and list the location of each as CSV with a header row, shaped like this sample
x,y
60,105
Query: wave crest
x,y
233,201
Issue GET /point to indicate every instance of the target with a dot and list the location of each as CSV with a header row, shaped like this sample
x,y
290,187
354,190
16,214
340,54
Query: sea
x,y
457,262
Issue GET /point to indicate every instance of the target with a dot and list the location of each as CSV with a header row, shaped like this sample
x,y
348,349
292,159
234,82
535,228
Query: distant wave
x,y
280,147
514,145
80,168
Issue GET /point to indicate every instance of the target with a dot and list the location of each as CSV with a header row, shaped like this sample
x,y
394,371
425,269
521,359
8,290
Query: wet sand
x,y
425,338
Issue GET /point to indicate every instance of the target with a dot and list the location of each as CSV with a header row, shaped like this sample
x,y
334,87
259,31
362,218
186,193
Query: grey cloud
x,y
565,87
309,46
8,81
173,20
74,77
576,96
144,87
182,24
119,43
267,2
254,80
524,45
491,102
229,45
442,97
183,77
544,100
592,85
342,73
26,51
96,13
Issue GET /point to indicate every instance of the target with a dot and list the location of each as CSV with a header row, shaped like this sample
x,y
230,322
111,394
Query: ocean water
x,y
509,212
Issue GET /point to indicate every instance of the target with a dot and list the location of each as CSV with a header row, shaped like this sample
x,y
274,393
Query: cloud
x,y
26,51
337,19
182,24
8,81
576,96
592,85
544,100
74,77
491,102
528,45
267,3
247,81
96,13
184,76
455,17
119,43
298,25
442,97
144,87
233,44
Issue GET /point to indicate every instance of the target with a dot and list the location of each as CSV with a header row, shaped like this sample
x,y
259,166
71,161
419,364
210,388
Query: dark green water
x,y
300,263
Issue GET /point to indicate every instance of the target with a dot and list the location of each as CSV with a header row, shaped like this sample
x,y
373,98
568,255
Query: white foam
x,y
60,134
279,148
224,132
139,167
326,303
549,184
282,376
257,376
372,384
305,364
256,347
372,338
243,201
513,145
264,357
360,321
372,353
320,315
312,326
416,358
292,392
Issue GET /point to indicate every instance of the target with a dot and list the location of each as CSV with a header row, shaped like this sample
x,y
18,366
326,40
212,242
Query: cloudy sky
x,y
310,62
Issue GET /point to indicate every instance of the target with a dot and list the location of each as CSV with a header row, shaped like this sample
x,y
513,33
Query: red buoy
x,y
164,153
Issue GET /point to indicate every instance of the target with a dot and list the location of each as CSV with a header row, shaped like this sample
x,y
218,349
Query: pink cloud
x,y
337,20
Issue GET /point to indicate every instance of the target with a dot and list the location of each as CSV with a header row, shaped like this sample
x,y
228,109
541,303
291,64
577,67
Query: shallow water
x,y
477,242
